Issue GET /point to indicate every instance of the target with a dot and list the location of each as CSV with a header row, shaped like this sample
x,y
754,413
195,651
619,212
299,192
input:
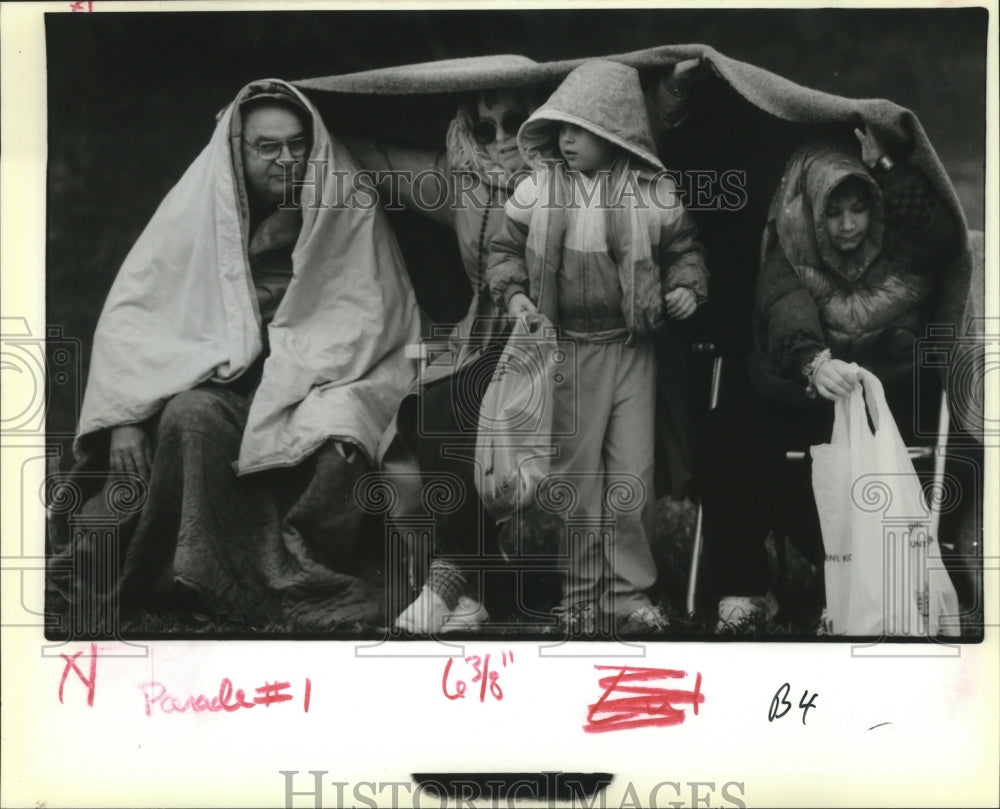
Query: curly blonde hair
x,y
464,153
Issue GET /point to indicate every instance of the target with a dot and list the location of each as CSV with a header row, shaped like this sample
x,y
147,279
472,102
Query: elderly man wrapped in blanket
x,y
248,358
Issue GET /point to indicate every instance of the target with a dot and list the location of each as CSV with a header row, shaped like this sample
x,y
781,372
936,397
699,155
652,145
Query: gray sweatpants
x,y
603,416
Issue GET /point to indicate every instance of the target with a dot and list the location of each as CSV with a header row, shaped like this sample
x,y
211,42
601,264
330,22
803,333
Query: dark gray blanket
x,y
745,117
274,549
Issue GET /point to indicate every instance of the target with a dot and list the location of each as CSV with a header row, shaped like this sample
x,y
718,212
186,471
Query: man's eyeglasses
x,y
271,149
485,132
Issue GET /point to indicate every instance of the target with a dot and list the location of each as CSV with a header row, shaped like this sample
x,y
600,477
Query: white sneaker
x,y
426,615
746,614
468,616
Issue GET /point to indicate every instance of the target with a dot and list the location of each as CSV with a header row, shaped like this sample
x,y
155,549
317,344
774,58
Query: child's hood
x,y
799,210
600,96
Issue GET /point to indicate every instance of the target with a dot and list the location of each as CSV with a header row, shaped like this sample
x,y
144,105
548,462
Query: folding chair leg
x,y
696,547
692,589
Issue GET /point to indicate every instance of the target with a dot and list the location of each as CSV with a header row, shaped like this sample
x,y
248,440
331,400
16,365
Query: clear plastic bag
x,y
514,439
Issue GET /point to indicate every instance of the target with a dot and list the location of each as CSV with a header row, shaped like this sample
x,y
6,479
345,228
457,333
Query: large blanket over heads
x,y
743,116
182,311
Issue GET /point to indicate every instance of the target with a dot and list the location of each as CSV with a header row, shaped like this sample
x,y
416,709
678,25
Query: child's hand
x,y
681,303
520,305
871,147
835,378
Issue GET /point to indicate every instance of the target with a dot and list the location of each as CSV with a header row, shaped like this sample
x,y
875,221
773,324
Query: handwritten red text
x,y
646,706
90,681
227,700
489,680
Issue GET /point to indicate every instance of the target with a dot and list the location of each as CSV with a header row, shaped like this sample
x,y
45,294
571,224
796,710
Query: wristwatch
x,y
884,163
673,89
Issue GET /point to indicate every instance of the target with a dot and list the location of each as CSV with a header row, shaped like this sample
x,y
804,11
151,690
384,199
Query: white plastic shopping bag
x,y
883,572
514,440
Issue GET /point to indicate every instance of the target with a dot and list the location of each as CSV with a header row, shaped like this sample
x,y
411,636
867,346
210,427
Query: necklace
x,y
483,292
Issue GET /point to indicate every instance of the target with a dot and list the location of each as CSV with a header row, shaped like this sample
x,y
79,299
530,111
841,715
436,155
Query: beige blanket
x,y
183,311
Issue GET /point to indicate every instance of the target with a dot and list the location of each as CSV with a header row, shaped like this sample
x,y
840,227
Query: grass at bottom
x,y
797,586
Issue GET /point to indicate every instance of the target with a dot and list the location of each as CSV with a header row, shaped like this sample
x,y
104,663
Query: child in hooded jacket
x,y
598,241
852,257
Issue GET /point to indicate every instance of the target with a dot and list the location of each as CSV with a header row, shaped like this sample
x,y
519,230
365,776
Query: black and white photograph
x,y
351,458
440,341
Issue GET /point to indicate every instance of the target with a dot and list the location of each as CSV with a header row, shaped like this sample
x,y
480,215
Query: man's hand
x,y
673,87
686,73
520,305
871,147
130,450
835,378
681,303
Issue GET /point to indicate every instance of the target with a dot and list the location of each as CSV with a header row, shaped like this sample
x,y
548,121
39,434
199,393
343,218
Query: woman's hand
x,y
130,451
681,303
871,147
835,378
520,305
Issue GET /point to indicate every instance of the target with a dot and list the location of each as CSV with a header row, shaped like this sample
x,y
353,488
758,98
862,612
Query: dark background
x,y
132,100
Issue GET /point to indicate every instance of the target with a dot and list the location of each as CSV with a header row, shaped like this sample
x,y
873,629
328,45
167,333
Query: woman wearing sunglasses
x,y
464,187
480,167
